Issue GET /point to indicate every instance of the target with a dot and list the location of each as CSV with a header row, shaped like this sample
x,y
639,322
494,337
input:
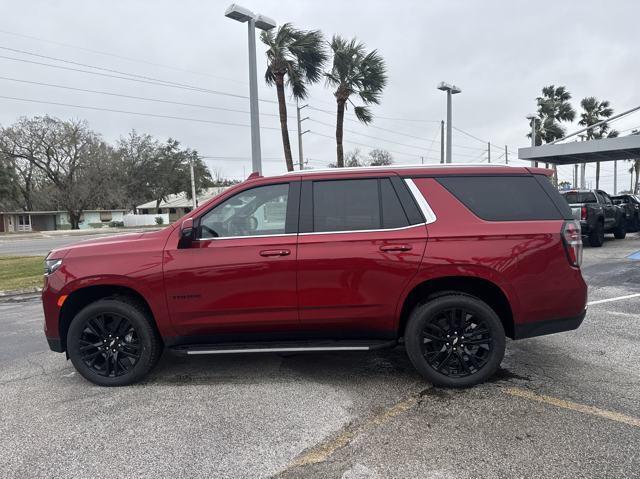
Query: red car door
x,y
238,276
360,243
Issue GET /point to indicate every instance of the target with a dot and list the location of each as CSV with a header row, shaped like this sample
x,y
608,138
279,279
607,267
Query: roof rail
x,y
395,167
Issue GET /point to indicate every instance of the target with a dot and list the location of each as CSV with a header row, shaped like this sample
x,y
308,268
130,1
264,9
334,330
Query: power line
x,y
374,137
121,57
101,92
152,115
404,154
164,83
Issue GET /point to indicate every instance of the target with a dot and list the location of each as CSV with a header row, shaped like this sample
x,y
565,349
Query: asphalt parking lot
x,y
566,405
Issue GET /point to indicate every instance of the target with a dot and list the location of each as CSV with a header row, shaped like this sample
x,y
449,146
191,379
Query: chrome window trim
x,y
246,236
359,231
429,215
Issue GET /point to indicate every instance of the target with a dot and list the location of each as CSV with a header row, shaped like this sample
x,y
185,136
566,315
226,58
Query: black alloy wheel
x,y
456,343
455,340
109,345
113,342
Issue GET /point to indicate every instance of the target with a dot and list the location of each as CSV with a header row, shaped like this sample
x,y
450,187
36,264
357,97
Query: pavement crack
x,y
323,451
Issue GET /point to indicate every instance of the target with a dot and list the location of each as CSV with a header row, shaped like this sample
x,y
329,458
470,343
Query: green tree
x,y
380,157
354,72
594,111
296,59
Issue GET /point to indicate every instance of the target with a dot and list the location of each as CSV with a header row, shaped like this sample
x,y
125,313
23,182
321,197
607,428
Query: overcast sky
x,y
500,53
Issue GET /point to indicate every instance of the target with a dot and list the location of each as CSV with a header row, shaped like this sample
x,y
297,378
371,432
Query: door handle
x,y
275,252
396,247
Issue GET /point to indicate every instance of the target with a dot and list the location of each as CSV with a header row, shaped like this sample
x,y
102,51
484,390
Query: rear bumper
x,y
541,328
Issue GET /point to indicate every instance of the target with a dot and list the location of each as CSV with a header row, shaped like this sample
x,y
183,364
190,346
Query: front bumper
x,y
541,328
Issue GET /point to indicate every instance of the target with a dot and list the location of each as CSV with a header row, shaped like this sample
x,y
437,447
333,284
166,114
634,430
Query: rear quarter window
x,y
505,198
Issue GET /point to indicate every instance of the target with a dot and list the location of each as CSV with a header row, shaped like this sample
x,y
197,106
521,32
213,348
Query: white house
x,y
178,205
20,221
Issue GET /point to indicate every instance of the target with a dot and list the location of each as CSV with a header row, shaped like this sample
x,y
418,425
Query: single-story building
x,y
21,221
178,205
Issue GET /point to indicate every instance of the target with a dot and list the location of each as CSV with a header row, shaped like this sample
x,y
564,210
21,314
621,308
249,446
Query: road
x,y
566,405
41,244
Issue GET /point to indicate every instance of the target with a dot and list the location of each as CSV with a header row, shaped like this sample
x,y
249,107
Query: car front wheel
x,y
455,340
113,342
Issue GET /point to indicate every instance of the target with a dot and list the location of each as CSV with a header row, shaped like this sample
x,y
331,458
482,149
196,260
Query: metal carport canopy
x,y
607,149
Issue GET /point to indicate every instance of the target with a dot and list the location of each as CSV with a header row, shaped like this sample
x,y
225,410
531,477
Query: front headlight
x,y
50,265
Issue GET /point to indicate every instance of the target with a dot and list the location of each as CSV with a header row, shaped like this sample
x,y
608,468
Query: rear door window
x,y
579,197
358,204
503,198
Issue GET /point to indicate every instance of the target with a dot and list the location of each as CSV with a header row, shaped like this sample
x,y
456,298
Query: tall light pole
x,y
241,14
532,118
451,90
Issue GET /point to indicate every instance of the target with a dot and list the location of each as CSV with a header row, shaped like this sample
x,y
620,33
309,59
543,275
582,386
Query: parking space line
x,y
617,298
573,406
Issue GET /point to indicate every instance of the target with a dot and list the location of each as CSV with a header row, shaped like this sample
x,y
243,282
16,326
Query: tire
x,y
438,357
136,343
596,236
620,231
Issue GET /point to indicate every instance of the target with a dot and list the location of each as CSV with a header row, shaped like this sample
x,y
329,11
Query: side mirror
x,y
186,228
186,234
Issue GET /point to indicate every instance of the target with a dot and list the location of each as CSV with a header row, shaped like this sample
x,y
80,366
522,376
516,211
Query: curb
x,y
20,295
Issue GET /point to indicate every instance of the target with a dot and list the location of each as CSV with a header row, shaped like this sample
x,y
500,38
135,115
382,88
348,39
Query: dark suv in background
x,y
597,214
447,261
630,204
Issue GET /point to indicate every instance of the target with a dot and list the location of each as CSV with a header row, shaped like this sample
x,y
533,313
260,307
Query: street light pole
x,y
442,141
256,156
532,119
241,14
451,90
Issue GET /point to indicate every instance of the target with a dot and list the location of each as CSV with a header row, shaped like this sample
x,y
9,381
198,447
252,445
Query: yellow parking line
x,y
573,406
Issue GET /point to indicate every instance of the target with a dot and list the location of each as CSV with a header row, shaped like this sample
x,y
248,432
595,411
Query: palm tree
x,y
594,111
354,72
300,57
553,108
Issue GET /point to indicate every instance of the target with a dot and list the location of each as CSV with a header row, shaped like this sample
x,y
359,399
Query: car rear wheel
x,y
596,236
455,340
113,342
620,231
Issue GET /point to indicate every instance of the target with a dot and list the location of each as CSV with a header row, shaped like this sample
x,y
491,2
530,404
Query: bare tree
x,y
72,157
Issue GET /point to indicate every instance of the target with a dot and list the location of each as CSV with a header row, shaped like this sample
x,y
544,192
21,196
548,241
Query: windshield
x,y
579,197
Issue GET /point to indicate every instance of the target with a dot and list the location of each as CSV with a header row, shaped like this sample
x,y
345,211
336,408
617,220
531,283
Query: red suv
x,y
445,260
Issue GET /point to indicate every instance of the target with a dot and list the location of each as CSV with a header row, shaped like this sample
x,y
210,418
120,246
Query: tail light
x,y
572,239
583,213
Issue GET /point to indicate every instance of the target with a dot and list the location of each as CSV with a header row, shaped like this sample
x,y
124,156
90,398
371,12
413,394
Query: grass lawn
x,y
20,272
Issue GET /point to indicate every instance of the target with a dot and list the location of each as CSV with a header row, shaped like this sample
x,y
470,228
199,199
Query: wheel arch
x,y
86,295
483,289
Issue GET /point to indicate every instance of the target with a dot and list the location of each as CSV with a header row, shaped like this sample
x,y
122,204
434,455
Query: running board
x,y
281,347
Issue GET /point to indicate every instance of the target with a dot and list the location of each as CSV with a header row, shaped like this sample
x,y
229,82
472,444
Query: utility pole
x,y
442,141
300,133
506,155
575,175
489,151
422,160
194,199
615,177
583,170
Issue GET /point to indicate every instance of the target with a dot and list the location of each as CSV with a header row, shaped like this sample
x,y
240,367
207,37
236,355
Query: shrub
x,y
159,220
116,224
